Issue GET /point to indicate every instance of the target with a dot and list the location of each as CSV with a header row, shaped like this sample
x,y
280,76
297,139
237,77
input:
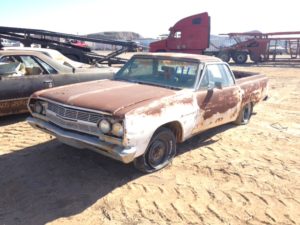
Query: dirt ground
x,y
228,175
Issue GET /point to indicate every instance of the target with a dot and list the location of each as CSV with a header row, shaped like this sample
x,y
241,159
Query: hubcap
x,y
241,58
157,153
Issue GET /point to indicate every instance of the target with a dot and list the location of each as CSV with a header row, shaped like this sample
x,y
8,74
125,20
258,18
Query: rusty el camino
x,y
155,101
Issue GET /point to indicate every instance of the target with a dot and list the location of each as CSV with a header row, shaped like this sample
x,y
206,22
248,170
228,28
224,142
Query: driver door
x,y
218,97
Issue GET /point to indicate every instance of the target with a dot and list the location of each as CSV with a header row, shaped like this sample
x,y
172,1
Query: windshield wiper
x,y
158,85
117,78
128,80
122,79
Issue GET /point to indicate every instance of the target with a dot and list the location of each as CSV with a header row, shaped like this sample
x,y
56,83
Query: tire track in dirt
x,y
231,175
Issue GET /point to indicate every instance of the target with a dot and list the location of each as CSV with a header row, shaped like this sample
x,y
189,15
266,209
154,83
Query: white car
x,y
54,54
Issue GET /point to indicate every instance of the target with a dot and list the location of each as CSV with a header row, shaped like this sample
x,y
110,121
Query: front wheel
x,y
160,152
240,57
245,114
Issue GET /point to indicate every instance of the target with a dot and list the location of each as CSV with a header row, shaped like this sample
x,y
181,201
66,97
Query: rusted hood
x,y
105,95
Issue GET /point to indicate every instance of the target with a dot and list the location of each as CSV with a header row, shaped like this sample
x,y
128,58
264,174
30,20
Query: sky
x,y
148,18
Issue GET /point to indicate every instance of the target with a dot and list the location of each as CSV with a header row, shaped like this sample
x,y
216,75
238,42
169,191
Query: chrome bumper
x,y
79,140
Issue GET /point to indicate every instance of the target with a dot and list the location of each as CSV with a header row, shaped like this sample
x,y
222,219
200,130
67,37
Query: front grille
x,y
73,114
73,119
71,125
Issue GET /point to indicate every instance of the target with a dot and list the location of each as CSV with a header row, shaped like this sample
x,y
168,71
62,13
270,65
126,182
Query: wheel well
x,y
176,128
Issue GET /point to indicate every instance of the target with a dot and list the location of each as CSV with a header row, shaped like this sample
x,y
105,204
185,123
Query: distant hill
x,y
116,35
112,35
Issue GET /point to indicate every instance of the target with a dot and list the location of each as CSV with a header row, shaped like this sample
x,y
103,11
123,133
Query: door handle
x,y
48,83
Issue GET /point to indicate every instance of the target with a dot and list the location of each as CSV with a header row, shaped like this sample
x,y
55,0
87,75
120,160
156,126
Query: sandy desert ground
x,y
228,175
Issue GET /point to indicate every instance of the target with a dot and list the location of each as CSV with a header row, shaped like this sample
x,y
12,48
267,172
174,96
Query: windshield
x,y
169,73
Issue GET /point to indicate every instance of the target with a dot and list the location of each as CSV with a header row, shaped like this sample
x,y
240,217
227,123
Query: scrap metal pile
x,y
70,45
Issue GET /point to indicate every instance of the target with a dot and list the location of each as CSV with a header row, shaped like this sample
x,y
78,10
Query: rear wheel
x,y
225,56
245,114
240,57
160,152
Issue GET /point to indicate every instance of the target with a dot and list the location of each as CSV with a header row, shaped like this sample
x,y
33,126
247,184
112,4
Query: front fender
x,y
141,124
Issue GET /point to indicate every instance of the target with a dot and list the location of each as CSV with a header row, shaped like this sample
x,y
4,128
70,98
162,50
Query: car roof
x,y
60,68
52,53
183,56
19,52
29,49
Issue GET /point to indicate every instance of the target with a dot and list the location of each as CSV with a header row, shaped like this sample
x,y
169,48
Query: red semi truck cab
x,y
188,35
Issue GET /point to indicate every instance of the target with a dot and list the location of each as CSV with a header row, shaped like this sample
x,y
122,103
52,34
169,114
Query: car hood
x,y
114,97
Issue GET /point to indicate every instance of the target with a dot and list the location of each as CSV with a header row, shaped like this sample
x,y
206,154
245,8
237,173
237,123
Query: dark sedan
x,y
31,71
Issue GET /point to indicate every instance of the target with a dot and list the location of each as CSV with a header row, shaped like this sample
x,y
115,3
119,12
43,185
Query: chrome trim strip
x,y
14,99
121,153
75,107
78,125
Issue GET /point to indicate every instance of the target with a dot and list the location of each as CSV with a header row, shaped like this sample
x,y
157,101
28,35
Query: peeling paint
x,y
145,108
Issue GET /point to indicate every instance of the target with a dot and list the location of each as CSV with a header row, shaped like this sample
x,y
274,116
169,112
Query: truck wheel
x,y
245,114
160,152
255,58
224,56
240,57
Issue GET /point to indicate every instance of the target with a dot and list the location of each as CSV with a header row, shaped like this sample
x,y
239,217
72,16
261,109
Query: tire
x,y
240,57
160,152
245,114
225,56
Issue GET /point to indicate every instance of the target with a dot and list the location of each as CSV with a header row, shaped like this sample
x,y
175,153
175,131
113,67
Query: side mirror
x,y
210,86
218,84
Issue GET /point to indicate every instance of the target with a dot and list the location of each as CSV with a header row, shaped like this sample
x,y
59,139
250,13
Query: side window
x,y
227,76
216,73
177,34
139,67
32,67
47,67
29,61
205,80
8,59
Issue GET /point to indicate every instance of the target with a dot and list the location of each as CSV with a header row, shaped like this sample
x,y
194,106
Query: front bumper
x,y
79,140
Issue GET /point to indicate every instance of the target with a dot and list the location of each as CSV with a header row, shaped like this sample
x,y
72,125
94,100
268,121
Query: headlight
x,y
117,129
38,107
105,126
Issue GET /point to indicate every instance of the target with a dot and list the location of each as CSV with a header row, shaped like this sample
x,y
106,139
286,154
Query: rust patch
x,y
116,97
253,87
219,120
186,101
156,110
13,106
218,101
